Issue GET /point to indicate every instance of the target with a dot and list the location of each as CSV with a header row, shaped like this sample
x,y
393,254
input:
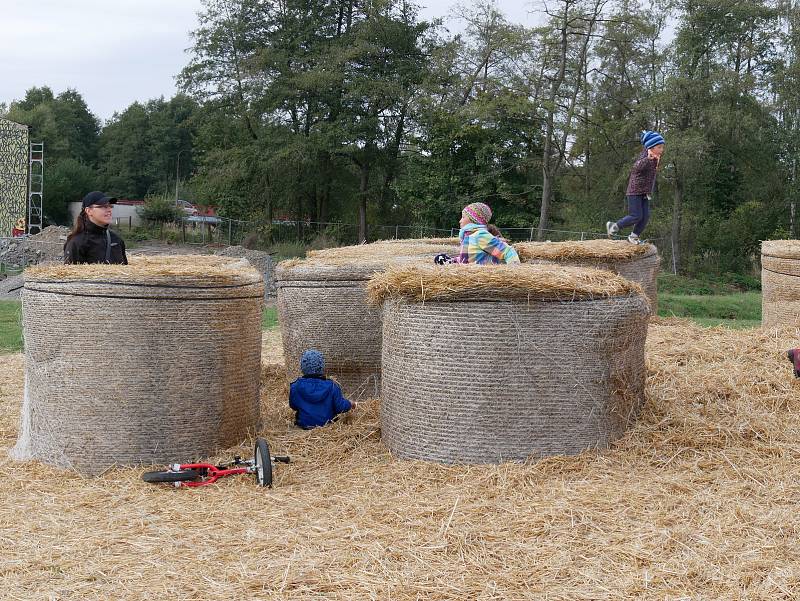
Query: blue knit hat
x,y
651,139
312,363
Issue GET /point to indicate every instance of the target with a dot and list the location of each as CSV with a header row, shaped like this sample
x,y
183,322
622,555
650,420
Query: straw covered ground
x,y
521,282
698,501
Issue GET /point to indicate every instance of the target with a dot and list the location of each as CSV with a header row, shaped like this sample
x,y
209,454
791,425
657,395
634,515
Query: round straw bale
x,y
322,305
152,362
489,364
780,282
639,263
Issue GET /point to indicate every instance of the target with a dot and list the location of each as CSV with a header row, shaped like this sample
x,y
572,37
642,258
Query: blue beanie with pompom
x,y
312,363
650,139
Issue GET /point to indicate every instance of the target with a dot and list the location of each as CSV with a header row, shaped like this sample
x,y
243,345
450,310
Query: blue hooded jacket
x,y
316,401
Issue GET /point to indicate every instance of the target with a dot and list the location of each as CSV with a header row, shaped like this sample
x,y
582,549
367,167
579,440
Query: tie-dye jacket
x,y
480,246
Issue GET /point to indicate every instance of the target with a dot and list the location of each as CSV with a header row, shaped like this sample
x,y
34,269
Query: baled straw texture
x,y
510,376
322,305
151,362
639,263
780,282
187,271
389,248
517,282
697,501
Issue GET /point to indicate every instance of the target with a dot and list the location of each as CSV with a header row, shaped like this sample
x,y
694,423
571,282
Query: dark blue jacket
x,y
316,401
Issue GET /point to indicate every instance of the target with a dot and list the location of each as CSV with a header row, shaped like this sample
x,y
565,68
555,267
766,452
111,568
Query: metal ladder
x,y
35,187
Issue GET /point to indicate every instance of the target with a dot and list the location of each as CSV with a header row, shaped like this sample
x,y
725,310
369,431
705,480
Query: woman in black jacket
x,y
91,240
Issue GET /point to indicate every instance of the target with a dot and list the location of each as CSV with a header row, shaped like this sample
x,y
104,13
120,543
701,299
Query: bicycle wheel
x,y
181,476
263,463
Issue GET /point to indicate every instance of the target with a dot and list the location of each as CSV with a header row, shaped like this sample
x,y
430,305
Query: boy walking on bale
x,y
640,187
315,399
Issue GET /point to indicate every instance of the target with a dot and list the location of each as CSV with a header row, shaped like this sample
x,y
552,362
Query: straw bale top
x,y
586,250
512,282
782,249
341,268
389,248
173,270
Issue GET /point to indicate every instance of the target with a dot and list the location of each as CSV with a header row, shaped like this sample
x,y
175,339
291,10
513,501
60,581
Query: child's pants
x,y
639,209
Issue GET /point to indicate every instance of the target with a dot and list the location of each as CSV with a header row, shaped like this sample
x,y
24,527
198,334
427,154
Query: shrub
x,y
160,210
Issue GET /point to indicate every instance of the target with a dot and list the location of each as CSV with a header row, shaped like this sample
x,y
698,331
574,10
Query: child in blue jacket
x,y
315,399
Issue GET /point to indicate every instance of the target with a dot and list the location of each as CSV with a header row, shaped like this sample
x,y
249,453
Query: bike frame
x,y
212,472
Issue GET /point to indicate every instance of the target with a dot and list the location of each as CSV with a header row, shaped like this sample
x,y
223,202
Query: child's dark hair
x,y
495,231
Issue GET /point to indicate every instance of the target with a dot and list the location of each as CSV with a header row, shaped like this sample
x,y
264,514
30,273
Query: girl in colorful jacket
x,y
478,245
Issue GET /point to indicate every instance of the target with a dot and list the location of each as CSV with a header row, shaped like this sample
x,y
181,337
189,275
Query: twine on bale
x,y
152,362
780,283
639,263
488,364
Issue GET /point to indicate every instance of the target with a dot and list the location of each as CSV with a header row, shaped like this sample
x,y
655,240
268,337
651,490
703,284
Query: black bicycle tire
x,y
170,476
262,449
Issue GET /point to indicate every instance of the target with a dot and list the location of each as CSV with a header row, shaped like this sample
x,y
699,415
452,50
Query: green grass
x,y
269,318
10,326
729,283
739,310
733,324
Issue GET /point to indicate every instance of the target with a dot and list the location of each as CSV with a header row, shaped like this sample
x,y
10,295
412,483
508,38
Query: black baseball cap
x,y
98,198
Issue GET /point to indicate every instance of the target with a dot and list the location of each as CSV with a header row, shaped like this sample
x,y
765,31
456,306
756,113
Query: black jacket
x,y
90,246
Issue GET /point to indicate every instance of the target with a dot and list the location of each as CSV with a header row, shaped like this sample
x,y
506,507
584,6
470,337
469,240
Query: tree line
x,y
360,111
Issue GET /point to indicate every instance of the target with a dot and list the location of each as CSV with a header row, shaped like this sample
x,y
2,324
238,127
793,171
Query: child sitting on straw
x,y
478,244
315,399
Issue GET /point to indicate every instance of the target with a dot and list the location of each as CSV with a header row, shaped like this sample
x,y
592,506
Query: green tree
x,y
140,147
69,132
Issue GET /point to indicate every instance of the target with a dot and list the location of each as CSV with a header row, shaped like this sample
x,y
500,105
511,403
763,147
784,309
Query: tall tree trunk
x,y
547,150
363,190
793,202
677,214
547,187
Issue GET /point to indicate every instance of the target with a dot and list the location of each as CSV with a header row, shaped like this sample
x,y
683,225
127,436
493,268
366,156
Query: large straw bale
x,y
639,263
148,362
780,282
488,364
322,304
697,501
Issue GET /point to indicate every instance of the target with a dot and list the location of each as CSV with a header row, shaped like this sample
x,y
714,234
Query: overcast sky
x,y
115,52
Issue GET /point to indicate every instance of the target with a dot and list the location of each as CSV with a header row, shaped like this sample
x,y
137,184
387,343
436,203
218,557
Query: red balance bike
x,y
200,474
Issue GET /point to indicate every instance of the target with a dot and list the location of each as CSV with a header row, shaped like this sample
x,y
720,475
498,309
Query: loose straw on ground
x,y
697,501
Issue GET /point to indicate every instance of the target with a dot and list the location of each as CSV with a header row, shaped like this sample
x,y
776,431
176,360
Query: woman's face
x,y
100,214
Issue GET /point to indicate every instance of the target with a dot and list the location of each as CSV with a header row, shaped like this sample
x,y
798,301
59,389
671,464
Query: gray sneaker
x,y
612,228
633,238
